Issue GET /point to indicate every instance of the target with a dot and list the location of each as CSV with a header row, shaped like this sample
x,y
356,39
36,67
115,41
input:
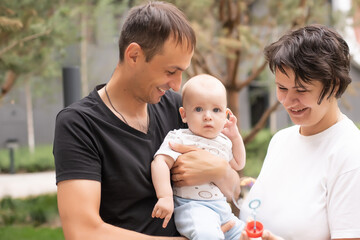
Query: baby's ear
x,y
182,114
228,113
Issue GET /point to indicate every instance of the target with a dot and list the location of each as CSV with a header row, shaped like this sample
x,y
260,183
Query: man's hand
x,y
163,209
196,166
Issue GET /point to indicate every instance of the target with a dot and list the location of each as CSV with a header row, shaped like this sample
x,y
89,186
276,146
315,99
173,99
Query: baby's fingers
x,y
153,213
166,220
157,212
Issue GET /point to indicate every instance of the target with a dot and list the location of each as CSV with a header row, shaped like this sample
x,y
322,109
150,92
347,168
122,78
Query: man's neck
x,y
123,103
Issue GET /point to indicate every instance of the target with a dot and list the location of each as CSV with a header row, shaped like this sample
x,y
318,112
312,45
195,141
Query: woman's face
x,y
301,103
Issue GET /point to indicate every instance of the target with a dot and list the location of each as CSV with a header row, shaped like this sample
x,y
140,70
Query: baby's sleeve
x,y
165,149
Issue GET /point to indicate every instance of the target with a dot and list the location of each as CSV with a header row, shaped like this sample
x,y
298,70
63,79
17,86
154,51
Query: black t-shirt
x,y
92,143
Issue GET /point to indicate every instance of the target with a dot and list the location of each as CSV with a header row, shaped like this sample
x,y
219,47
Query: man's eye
x,y
171,73
198,109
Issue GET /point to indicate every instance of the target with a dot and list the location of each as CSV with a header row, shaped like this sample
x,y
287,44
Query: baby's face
x,y
205,112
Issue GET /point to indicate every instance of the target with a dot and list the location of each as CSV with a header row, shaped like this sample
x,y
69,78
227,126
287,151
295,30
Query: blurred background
x,y
55,52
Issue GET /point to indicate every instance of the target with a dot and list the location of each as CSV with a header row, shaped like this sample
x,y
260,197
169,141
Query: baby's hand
x,y
163,209
230,128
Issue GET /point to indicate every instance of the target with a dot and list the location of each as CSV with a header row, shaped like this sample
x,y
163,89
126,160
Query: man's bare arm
x,y
79,203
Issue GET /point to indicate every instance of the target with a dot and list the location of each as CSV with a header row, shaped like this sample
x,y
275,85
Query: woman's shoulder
x,y
287,132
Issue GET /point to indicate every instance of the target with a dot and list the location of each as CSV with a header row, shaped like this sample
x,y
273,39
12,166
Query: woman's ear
x,y
182,114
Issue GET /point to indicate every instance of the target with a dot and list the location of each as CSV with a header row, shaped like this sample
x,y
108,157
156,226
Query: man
x,y
104,144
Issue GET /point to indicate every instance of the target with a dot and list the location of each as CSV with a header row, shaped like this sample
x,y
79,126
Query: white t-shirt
x,y
220,146
309,186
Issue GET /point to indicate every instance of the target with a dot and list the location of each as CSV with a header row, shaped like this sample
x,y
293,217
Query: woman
x,y
309,185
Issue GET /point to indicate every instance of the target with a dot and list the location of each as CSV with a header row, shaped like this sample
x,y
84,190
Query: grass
x,y
255,153
30,233
35,211
41,160
30,218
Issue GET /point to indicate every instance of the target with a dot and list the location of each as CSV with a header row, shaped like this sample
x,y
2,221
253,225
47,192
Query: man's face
x,y
162,72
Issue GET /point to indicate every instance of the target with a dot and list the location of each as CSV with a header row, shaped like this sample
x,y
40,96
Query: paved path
x,y
27,184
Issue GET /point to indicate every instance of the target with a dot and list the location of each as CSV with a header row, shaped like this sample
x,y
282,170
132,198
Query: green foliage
x,y
33,36
34,211
41,160
282,11
30,233
255,153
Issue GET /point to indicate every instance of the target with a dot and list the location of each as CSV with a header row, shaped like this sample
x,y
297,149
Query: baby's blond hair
x,y
201,81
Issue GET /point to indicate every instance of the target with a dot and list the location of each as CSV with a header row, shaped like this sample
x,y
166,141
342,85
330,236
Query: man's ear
x,y
133,52
182,114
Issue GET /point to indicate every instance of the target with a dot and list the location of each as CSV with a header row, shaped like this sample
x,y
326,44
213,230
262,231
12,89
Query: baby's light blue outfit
x,y
201,210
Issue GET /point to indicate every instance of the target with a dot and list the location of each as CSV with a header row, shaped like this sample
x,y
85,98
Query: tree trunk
x,y
83,53
10,79
261,123
29,116
273,117
233,104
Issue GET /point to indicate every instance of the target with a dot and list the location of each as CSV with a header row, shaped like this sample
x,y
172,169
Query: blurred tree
x,y
33,35
90,13
232,35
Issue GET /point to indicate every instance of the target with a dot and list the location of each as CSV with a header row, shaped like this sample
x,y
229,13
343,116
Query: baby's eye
x,y
217,110
198,109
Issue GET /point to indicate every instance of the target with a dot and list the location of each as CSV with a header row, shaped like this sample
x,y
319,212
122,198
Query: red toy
x,y
254,229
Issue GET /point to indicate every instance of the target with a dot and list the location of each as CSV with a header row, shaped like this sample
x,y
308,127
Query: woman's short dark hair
x,y
314,52
151,24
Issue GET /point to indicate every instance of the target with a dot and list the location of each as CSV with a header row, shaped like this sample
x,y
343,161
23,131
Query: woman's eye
x,y
198,109
282,88
301,90
171,73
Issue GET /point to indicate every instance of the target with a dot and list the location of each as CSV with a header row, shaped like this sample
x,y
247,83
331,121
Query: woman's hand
x,y
267,235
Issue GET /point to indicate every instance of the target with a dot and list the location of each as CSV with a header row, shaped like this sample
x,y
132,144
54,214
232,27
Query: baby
x,y
199,211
